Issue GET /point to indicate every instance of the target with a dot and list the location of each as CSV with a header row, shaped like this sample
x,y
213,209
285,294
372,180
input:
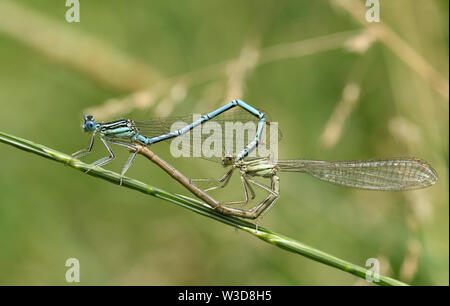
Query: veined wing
x,y
377,174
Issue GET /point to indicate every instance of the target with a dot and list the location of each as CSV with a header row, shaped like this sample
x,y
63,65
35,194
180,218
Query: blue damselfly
x,y
125,132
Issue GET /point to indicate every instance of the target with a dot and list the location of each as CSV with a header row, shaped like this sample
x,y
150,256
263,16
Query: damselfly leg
x,y
103,161
134,150
86,151
220,183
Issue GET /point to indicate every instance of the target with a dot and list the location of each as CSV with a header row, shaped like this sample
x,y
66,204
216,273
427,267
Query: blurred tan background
x,y
340,87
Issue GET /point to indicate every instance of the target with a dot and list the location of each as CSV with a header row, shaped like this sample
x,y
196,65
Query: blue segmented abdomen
x,y
250,147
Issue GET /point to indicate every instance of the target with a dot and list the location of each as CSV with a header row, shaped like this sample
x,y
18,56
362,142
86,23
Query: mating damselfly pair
x,y
377,174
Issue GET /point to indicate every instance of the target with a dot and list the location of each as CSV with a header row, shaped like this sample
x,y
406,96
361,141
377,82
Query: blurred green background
x,y
340,88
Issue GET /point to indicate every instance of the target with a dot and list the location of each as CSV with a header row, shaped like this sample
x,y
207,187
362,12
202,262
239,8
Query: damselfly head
x,y
89,123
227,159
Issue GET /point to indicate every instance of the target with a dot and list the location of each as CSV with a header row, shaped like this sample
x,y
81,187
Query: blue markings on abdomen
x,y
249,148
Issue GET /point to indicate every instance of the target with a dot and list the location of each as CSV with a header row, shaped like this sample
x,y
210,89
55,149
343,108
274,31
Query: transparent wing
x,y
227,133
376,174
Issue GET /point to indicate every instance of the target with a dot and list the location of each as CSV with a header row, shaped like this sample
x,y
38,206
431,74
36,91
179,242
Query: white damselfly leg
x,y
130,159
103,161
85,151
